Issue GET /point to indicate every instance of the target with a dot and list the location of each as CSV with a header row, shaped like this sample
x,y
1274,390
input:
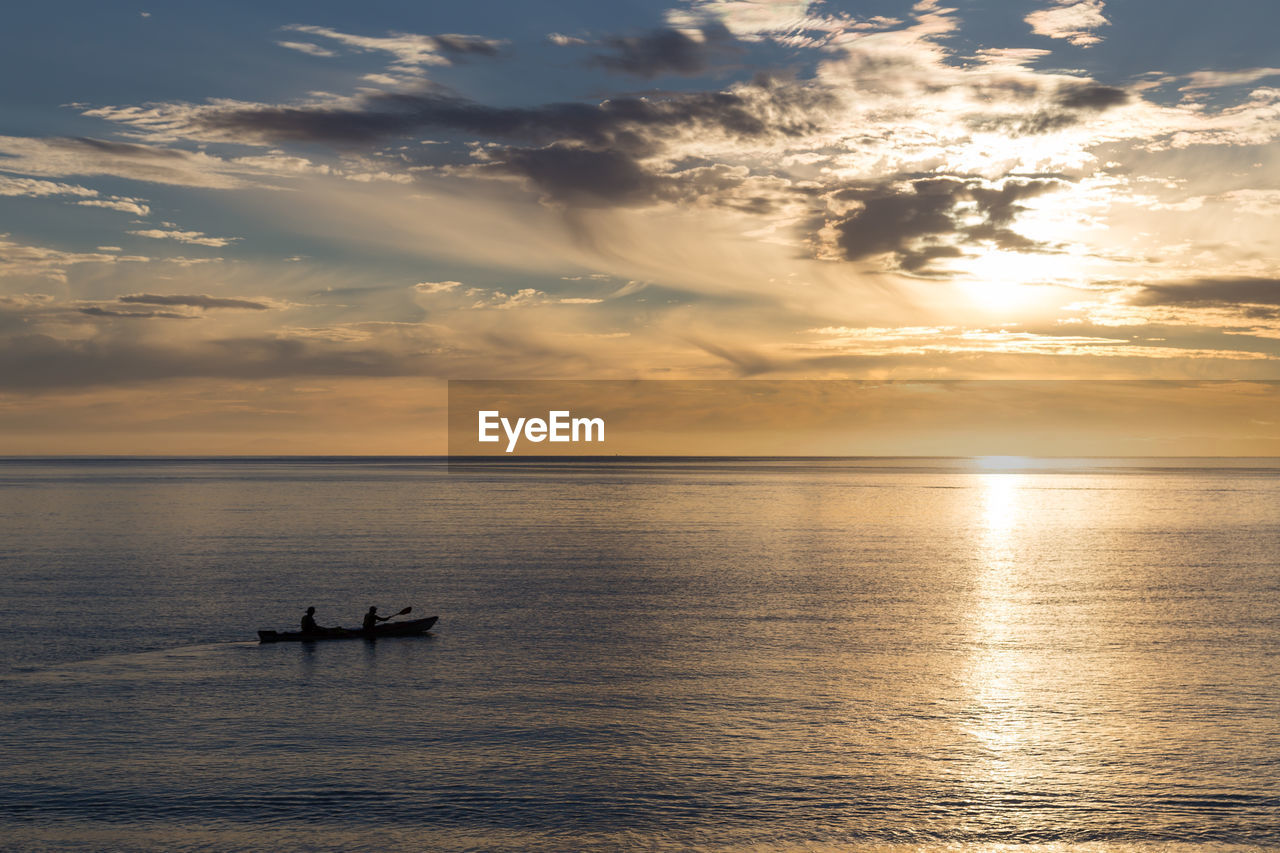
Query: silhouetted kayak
x,y
411,628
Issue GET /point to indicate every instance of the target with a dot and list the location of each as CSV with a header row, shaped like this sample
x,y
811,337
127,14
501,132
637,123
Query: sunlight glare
x,y
1004,463
997,665
1002,281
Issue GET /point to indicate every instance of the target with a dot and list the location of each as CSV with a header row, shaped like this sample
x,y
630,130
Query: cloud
x,y
195,301
307,48
1073,20
57,157
579,175
1091,96
124,205
836,162
480,298
747,18
461,45
42,362
17,259
98,311
387,115
564,40
437,286
1220,79
50,346
194,238
666,51
925,220
505,301
33,188
83,156
1218,292
411,52
37,309
952,340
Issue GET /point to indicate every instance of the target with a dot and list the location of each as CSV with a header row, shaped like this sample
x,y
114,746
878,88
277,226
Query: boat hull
x,y
411,628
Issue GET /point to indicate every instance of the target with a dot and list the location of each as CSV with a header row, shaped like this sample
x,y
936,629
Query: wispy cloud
x,y
437,286
954,341
19,259
194,238
745,18
33,188
1220,79
1076,21
307,48
123,205
99,311
410,52
58,157
195,301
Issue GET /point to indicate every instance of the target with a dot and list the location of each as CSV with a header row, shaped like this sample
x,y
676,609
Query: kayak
x,y
411,628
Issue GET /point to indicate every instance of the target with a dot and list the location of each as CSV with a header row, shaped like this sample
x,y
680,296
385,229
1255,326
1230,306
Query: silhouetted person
x,y
371,620
309,625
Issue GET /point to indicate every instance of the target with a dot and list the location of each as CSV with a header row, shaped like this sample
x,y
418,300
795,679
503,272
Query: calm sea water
x,y
733,655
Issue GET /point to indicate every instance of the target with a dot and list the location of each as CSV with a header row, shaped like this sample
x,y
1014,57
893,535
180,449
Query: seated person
x,y
309,625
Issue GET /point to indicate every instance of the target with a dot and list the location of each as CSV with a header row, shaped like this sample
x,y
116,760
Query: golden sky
x,y
988,418
294,255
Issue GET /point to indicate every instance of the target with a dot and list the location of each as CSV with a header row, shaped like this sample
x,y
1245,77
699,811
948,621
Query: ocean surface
x,y
736,655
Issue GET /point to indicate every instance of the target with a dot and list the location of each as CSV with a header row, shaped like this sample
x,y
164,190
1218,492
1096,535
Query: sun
x,y
1002,282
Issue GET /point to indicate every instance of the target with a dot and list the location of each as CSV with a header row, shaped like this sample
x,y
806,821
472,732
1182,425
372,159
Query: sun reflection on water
x,y
995,677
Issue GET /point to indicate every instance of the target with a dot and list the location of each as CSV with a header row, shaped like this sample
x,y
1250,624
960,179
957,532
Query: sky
x,y
281,227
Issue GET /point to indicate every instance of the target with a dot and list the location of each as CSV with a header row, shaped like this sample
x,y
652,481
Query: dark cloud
x,y
629,123
1212,292
587,177
1070,103
459,45
589,155
1001,205
583,176
85,144
894,222
923,224
1034,124
1091,96
665,51
194,301
98,311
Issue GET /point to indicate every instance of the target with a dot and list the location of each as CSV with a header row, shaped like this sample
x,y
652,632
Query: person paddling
x,y
371,620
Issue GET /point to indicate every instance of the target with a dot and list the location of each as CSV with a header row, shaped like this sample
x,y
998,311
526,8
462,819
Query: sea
x,y
642,654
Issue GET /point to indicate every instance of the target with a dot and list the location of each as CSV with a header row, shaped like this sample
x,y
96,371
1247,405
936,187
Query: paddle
x,y
394,615
372,631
